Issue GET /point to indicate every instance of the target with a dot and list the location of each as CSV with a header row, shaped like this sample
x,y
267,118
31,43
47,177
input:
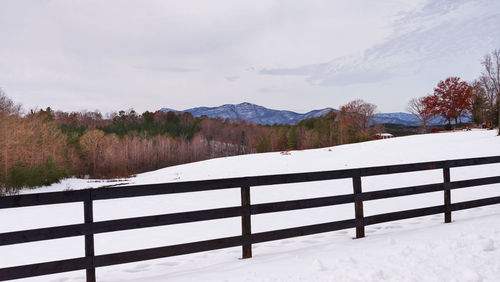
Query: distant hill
x,y
409,119
254,113
403,119
263,115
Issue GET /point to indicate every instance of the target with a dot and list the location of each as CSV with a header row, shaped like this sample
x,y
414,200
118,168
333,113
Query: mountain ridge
x,y
252,112
265,116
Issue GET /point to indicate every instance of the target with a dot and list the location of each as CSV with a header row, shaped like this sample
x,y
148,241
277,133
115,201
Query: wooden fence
x,y
245,211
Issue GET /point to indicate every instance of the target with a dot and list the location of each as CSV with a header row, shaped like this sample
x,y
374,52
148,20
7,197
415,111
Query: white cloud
x,y
150,54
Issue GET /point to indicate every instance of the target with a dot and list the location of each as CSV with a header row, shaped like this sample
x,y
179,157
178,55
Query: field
x,y
420,249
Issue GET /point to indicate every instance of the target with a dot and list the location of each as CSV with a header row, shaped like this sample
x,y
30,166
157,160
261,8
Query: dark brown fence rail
x,y
245,211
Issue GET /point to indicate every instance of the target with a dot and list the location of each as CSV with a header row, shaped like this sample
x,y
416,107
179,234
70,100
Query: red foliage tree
x,y
452,99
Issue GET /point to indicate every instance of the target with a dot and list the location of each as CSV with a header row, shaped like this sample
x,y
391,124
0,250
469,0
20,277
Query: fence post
x,y
88,213
358,207
447,194
246,227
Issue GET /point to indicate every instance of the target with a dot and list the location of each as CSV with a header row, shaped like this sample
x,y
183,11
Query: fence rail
x,y
89,228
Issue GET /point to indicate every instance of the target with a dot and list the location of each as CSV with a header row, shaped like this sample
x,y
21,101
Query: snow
x,y
419,249
251,112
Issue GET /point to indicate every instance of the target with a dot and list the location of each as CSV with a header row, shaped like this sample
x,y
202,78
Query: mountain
x,y
263,115
409,119
405,119
254,113
396,118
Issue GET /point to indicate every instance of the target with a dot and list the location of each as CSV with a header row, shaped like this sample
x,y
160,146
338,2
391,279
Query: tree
x,y
479,105
263,145
243,143
148,117
452,99
354,120
292,140
483,85
282,142
7,105
361,112
91,144
9,125
491,76
422,109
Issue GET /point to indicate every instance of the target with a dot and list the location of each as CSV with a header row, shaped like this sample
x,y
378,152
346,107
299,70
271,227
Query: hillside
x,y
420,249
262,115
252,112
406,119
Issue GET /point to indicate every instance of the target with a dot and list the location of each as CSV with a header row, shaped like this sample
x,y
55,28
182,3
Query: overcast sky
x,y
294,55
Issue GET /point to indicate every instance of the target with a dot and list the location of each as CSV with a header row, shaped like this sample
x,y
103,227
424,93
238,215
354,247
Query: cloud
x,y
168,69
232,78
266,89
119,54
439,31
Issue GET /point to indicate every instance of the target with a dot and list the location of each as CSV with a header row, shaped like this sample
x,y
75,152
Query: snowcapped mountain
x,y
409,119
396,118
406,119
254,113
263,115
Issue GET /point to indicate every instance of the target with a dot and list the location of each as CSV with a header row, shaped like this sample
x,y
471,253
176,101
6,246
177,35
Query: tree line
x,y
41,147
454,99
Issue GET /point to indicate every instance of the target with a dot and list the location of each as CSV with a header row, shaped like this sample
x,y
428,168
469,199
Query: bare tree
x,y
419,108
91,143
354,120
362,111
485,101
491,74
9,120
7,105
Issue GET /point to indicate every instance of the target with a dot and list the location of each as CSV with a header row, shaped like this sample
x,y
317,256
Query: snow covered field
x,y
419,249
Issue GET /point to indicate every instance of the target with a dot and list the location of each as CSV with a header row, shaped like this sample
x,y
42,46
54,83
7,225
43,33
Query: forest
x,y
40,147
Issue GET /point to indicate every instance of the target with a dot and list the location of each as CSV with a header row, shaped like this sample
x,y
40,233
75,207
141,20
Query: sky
x,y
282,54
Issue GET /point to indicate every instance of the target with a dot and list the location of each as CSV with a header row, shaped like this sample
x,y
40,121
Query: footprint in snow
x,y
319,266
488,245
